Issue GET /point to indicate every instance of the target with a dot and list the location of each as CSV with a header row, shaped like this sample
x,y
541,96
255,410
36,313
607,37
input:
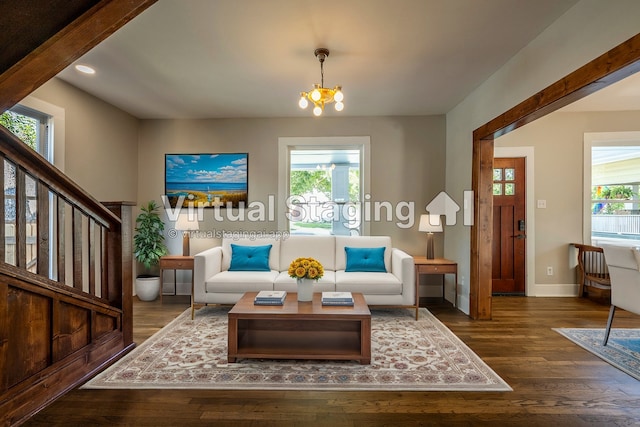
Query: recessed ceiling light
x,y
85,69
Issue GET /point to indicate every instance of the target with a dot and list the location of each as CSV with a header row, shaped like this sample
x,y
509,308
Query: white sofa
x,y
215,284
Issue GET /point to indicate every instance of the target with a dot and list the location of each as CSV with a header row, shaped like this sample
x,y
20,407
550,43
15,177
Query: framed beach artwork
x,y
210,180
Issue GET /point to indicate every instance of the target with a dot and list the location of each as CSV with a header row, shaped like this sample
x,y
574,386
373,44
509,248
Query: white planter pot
x,y
147,288
305,289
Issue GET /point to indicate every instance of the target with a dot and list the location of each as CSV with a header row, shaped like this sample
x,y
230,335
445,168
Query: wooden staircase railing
x,y
65,282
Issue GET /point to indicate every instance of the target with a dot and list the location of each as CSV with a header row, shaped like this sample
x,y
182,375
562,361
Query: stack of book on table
x,y
270,298
337,298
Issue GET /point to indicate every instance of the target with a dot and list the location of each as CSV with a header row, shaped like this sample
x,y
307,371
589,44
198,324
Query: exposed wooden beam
x,y
610,67
69,44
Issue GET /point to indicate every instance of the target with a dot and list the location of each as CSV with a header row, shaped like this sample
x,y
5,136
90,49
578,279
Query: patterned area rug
x,y
406,355
622,350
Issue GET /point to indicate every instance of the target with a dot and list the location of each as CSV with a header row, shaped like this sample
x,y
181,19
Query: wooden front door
x,y
509,226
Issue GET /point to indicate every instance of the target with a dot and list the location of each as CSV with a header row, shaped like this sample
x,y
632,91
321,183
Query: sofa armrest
x,y
205,265
403,267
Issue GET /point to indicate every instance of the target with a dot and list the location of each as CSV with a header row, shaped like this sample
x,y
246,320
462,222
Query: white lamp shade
x,y
430,223
187,222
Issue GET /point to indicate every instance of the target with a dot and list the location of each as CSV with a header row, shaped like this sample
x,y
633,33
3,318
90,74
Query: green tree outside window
x,y
23,127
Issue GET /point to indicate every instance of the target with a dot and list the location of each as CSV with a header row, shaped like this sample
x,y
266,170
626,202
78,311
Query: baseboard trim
x,y
556,290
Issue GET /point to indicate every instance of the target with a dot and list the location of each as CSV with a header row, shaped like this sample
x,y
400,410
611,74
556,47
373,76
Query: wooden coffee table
x,y
305,330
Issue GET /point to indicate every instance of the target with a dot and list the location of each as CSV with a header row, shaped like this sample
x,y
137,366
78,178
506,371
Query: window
x,y
324,190
614,183
32,127
322,184
502,181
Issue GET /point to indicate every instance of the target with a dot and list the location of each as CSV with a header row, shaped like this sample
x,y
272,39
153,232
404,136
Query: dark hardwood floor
x,y
554,382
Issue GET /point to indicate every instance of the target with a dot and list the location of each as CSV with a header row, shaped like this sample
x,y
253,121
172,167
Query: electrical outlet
x,y
549,271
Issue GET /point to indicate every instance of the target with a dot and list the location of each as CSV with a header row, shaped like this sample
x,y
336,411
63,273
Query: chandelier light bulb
x,y
320,96
303,102
338,96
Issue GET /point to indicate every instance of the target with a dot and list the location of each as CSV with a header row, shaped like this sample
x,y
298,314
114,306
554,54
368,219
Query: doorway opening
x,y
610,67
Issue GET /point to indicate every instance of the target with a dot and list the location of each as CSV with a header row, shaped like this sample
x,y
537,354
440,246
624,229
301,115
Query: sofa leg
x,y
609,322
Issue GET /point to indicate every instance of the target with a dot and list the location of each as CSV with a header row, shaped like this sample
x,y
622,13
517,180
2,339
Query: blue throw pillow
x,y
365,259
250,258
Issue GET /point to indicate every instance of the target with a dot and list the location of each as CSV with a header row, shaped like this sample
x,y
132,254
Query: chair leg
x,y
609,322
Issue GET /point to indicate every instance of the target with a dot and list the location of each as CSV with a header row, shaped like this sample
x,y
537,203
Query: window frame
x,y
602,139
287,144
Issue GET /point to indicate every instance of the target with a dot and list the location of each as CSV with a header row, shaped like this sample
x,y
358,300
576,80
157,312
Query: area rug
x,y
406,355
622,350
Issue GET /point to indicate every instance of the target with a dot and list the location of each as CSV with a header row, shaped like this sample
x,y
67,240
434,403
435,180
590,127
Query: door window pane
x,y
497,189
509,189
497,174
509,174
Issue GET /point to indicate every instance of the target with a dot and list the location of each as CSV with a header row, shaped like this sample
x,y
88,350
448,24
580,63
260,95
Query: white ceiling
x,y
252,58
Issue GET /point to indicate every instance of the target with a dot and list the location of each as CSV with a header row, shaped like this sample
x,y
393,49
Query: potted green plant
x,y
148,247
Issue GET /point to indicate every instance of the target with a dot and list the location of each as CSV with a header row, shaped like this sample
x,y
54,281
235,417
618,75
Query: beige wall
x,y
407,162
101,142
558,142
584,32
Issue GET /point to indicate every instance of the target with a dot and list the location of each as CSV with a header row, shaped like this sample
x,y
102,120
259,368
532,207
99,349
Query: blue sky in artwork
x,y
206,168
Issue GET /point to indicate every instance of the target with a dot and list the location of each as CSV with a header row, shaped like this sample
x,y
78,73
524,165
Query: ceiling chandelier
x,y
321,95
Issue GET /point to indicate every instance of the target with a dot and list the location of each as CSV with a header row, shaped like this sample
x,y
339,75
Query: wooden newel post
x,y
120,265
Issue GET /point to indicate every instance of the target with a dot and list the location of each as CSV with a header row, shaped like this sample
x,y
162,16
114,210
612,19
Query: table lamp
x,y
430,224
186,223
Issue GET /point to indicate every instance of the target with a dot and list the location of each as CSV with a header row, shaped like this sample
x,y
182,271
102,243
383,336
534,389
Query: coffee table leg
x,y
232,341
365,341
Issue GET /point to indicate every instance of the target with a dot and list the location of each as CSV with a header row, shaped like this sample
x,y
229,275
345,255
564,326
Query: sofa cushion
x,y
249,258
365,260
368,283
286,283
274,253
241,281
362,242
322,248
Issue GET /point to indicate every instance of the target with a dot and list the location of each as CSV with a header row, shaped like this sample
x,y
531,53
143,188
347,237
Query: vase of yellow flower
x,y
305,271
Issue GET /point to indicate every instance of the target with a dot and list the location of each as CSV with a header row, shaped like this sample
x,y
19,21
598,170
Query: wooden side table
x,y
436,266
176,262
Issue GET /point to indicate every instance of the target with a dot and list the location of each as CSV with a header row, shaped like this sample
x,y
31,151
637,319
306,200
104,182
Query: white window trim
x,y
286,144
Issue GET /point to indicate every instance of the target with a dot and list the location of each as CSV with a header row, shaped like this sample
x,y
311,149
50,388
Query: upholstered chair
x,y
624,270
